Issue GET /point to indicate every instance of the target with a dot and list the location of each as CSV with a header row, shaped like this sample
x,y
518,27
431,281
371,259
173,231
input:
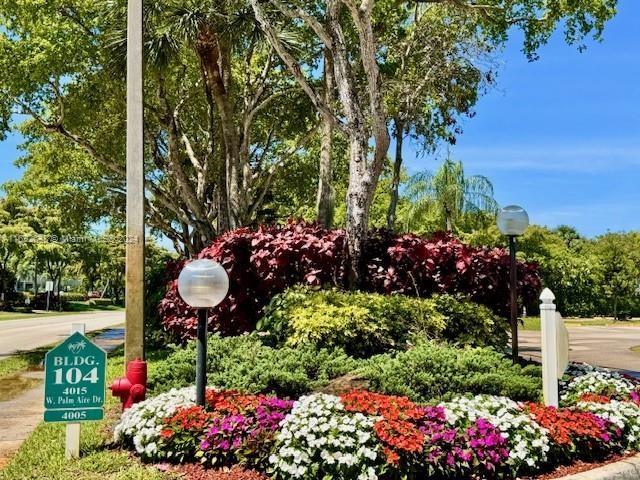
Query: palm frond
x,y
448,194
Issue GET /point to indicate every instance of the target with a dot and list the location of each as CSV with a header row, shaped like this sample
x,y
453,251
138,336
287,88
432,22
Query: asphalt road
x,y
603,346
30,333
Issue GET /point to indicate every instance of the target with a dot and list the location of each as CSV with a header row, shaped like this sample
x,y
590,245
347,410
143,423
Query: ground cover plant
x,y
364,324
245,363
431,370
427,371
264,262
368,435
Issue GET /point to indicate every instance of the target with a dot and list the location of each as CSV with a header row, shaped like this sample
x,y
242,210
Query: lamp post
x,y
512,222
202,284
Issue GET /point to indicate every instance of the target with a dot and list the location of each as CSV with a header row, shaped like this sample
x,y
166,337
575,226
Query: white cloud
x,y
579,158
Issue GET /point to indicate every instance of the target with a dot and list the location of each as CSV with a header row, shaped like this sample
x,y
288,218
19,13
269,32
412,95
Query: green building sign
x,y
74,388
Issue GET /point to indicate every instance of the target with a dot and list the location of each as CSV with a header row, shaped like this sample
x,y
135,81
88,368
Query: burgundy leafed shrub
x,y
266,261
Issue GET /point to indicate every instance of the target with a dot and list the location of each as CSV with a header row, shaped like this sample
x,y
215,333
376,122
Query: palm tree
x,y
448,195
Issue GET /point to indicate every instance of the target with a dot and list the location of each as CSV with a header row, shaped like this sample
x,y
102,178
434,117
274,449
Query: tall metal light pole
x,y
513,221
134,294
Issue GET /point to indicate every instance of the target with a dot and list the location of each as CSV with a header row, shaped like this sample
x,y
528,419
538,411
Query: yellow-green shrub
x,y
364,324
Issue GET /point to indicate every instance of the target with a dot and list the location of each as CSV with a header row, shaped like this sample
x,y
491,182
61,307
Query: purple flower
x,y
247,434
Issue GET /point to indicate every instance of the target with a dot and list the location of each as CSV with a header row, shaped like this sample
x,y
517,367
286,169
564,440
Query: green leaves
x,y
431,371
447,196
245,364
364,324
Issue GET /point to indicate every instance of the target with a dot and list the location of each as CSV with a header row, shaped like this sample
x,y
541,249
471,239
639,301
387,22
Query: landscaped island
x,y
367,435
403,377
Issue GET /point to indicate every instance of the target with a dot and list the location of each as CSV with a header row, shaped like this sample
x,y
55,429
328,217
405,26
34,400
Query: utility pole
x,y
134,295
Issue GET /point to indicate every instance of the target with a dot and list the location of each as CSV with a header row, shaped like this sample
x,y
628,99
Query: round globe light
x,y
203,283
512,220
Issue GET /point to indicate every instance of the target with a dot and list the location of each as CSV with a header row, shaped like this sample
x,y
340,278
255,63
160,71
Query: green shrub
x,y
361,323
244,363
74,296
430,371
468,323
364,324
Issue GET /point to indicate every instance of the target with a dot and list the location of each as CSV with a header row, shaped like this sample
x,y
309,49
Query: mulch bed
x,y
578,467
197,472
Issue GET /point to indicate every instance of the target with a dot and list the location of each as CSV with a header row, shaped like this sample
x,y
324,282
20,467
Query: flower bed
x,y
365,435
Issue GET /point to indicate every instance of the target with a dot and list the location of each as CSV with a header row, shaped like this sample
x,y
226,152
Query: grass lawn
x,y
22,361
74,308
533,323
41,456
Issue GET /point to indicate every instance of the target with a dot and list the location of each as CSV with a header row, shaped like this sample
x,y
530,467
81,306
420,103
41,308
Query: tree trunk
x,y
359,196
395,181
59,285
222,195
210,54
224,210
325,202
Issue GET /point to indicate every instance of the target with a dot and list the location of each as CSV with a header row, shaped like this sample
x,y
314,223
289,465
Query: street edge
x,y
627,469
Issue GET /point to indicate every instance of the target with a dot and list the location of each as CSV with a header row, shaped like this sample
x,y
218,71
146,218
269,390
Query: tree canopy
x,y
236,92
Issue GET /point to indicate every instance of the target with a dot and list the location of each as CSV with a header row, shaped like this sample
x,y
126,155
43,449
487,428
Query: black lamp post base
x,y
201,364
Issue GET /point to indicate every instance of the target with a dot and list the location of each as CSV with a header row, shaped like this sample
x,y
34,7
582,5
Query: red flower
x,y
231,402
397,430
187,418
594,398
568,427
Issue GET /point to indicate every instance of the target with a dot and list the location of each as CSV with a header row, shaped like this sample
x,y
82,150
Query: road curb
x,y
627,469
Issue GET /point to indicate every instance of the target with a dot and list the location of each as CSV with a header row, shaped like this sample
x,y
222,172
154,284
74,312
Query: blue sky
x,y
560,136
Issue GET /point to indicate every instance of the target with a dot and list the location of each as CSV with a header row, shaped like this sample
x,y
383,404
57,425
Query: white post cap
x,y
547,296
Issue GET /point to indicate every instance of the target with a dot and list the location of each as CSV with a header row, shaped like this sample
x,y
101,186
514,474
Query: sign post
x,y
49,289
554,346
74,388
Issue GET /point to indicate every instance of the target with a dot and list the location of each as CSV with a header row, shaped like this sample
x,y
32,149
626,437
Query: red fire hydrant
x,y
131,388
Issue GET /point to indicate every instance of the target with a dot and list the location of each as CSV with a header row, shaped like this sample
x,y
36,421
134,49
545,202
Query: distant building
x,y
26,284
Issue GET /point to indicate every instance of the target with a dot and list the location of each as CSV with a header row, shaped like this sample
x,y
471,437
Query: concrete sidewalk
x,y
20,415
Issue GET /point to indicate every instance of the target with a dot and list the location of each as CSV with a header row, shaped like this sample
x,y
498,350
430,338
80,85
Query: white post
x,y
72,443
549,327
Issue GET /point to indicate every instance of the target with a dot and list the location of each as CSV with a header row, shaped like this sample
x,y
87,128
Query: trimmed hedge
x,y
364,324
431,371
101,302
74,296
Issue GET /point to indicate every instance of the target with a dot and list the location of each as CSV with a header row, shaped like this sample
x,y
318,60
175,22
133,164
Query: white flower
x,y
597,382
624,415
527,441
319,436
141,424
